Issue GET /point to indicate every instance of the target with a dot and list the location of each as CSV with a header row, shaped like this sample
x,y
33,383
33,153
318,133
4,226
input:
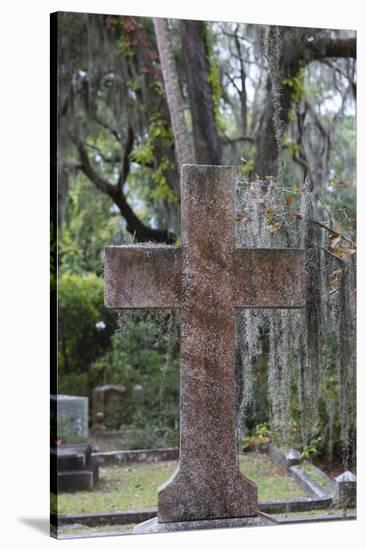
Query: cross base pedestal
x,y
153,526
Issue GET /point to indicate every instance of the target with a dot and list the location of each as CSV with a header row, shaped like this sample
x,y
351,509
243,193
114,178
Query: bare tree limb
x,y
102,184
347,239
140,231
325,46
109,128
334,256
247,139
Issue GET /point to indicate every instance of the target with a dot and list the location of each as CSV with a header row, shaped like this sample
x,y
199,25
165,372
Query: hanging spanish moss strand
x,y
351,286
243,365
171,332
296,343
346,360
298,340
248,324
343,364
125,317
255,202
158,324
325,267
330,406
302,402
163,327
285,368
273,371
310,236
279,373
251,232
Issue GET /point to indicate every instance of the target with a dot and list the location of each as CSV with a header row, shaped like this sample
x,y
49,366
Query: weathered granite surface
x,y
154,526
207,278
346,489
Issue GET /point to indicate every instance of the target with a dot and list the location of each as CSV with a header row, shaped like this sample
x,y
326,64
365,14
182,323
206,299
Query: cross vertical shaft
x,y
207,358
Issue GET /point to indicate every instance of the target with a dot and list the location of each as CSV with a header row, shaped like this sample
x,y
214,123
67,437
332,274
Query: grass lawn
x,y
134,486
329,512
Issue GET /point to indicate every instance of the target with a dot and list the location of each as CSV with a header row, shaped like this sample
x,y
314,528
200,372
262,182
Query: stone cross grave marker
x,y
206,278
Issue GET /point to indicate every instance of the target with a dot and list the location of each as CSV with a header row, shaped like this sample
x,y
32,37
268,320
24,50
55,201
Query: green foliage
x,y
65,433
292,146
297,87
79,340
296,84
216,90
134,85
162,191
136,359
262,430
160,135
89,227
90,356
158,131
259,435
248,168
143,154
312,449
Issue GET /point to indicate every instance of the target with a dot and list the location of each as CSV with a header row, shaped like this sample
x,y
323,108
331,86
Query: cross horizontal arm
x,y
273,278
142,276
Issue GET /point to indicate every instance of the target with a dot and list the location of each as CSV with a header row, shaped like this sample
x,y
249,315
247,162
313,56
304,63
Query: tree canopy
x,y
282,98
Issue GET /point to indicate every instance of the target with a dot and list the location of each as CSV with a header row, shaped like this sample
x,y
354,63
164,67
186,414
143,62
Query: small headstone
x,y
346,488
71,412
138,392
73,468
99,429
107,399
293,457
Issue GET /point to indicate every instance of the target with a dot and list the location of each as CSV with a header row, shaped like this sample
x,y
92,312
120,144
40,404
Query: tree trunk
x,y
266,161
206,143
182,140
296,51
62,194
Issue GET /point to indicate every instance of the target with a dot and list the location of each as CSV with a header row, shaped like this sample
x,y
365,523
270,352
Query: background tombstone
x,y
138,392
98,428
293,457
71,415
107,400
346,485
73,468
